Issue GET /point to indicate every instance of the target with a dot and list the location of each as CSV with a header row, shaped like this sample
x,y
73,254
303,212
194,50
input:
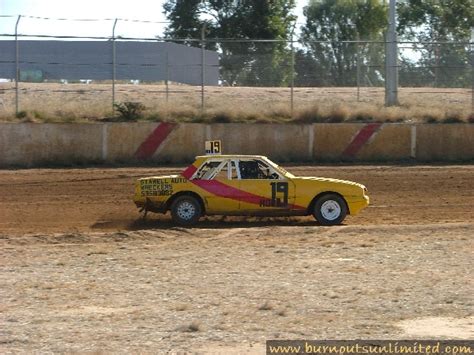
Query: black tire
x,y
330,210
186,210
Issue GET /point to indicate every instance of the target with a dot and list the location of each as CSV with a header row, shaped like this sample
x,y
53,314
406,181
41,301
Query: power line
x,y
83,19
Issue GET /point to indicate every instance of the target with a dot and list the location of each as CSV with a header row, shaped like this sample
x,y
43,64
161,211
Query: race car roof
x,y
229,156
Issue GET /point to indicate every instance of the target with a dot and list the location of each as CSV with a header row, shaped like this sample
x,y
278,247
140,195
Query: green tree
x,y
329,25
435,19
183,16
269,62
430,21
244,62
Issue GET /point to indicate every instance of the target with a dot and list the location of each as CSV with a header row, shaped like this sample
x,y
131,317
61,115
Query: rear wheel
x,y
185,210
330,209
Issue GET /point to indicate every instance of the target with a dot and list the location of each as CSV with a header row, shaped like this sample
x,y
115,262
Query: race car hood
x,y
329,180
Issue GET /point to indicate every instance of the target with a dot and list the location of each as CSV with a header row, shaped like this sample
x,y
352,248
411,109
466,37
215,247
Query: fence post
x,y
203,71
391,59
358,67
472,70
113,66
292,72
167,76
17,65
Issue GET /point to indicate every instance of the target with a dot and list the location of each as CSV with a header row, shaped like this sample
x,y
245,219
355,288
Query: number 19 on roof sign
x,y
213,147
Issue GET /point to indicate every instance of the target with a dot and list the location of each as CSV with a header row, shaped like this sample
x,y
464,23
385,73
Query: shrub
x,y
155,117
338,114
362,116
129,110
38,115
453,117
470,119
309,115
430,119
21,114
221,117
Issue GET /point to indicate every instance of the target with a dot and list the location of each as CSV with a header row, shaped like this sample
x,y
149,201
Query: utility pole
x,y
358,66
167,75
391,58
17,66
472,70
203,68
292,77
114,69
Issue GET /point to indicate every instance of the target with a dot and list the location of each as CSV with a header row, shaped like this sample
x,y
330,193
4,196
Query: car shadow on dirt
x,y
222,222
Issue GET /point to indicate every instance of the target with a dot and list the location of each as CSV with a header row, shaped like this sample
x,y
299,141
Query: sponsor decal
x,y
277,201
155,187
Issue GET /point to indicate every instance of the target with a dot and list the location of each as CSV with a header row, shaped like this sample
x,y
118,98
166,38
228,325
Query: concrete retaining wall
x,y
386,142
281,142
182,144
445,142
30,144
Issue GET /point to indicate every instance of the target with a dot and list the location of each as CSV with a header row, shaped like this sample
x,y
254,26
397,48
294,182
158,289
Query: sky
x,y
103,10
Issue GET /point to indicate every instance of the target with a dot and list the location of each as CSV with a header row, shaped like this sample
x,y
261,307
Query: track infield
x,y
81,272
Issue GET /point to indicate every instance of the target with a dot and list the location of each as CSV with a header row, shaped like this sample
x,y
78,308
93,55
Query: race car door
x,y
221,187
263,189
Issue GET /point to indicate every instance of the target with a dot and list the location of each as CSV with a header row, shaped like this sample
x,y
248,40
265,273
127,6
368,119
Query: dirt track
x,y
58,200
81,272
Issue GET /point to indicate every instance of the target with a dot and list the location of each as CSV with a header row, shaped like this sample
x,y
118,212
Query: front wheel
x,y
330,209
185,210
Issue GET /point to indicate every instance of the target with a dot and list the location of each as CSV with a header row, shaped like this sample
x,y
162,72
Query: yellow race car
x,y
249,185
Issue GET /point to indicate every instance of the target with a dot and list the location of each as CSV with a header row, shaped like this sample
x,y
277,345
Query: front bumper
x,y
152,206
356,205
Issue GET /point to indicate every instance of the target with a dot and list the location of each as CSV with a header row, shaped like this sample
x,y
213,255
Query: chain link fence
x,y
228,79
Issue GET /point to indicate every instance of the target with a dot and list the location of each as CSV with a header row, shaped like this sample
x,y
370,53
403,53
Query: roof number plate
x,y
213,147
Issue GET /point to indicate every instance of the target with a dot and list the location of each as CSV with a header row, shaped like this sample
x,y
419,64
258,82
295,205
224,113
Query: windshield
x,y
280,169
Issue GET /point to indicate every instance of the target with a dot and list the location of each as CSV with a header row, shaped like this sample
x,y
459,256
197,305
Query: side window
x,y
206,170
223,173
227,170
256,169
248,169
233,171
267,172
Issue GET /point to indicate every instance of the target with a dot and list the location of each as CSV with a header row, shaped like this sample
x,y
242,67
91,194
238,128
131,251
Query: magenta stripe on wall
x,y
360,139
154,140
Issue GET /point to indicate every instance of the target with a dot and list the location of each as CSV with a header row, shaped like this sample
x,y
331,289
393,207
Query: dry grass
x,y
190,328
267,306
414,277
93,277
84,103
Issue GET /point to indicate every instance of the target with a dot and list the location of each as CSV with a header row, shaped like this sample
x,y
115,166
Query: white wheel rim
x,y
186,210
330,210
